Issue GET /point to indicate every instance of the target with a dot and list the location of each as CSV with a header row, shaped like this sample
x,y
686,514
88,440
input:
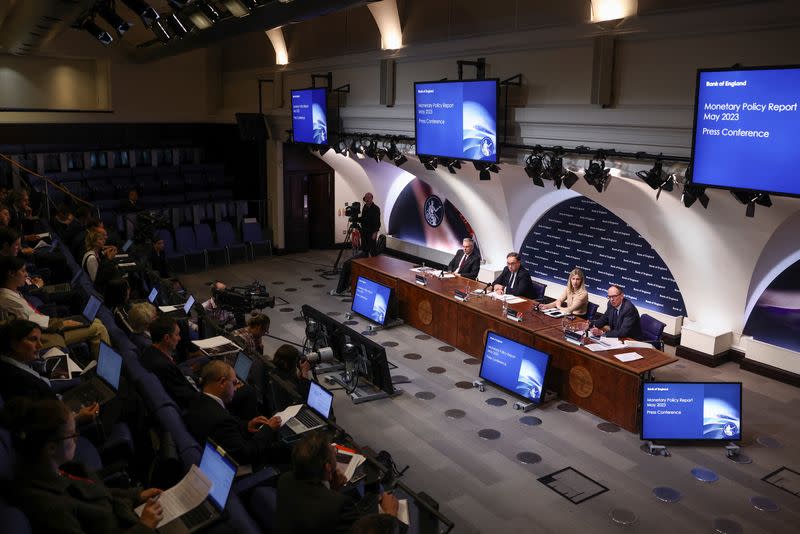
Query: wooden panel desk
x,y
595,381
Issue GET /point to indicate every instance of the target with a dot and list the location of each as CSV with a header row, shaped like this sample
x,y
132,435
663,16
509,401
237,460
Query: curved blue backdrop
x,y
581,233
775,319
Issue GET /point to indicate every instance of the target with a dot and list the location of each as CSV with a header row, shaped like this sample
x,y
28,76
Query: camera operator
x,y
213,310
257,327
370,224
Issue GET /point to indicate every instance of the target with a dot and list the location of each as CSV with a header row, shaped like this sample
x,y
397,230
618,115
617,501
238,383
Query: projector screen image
x,y
514,367
746,124
309,116
371,300
457,119
692,411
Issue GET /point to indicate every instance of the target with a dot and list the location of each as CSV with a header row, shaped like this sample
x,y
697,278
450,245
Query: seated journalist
x,y
514,280
621,318
466,262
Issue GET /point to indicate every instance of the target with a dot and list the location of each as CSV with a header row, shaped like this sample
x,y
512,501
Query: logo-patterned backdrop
x,y
581,233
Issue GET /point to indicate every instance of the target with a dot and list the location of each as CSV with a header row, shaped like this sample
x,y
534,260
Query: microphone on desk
x,y
441,274
488,285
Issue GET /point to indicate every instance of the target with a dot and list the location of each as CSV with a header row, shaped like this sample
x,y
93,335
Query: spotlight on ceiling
x,y
597,174
237,8
341,147
161,31
429,162
692,193
204,16
372,150
323,149
395,155
656,180
97,32
484,169
143,10
177,25
114,20
750,199
554,170
534,167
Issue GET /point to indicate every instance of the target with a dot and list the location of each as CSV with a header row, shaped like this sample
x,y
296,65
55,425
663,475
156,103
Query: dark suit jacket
x,y
175,383
158,262
522,283
15,382
622,323
56,503
308,507
471,267
370,219
205,419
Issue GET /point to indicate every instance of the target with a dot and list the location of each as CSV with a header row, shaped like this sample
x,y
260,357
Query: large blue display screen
x,y
371,300
514,367
457,119
309,116
692,411
746,124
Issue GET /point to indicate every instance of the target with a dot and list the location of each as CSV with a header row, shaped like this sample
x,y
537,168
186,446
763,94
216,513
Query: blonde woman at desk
x,y
574,298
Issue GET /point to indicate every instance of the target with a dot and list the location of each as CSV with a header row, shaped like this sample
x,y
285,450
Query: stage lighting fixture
x,y
395,155
484,169
693,193
534,168
323,149
429,162
143,10
159,28
205,16
750,199
452,165
97,32
371,150
355,147
656,180
237,8
597,174
114,20
178,27
341,147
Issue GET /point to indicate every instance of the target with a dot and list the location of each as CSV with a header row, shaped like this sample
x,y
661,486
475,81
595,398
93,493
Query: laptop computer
x,y
242,366
151,298
66,287
124,250
178,309
312,414
102,386
220,470
89,313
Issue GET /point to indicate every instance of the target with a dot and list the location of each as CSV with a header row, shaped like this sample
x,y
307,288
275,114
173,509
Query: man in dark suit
x,y
467,262
514,280
370,224
158,359
621,318
309,500
248,442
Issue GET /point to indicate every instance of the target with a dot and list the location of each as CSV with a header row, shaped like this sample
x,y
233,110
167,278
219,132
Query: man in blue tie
x,y
621,318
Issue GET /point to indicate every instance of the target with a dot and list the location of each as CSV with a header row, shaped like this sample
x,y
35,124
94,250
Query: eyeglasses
x,y
615,296
512,263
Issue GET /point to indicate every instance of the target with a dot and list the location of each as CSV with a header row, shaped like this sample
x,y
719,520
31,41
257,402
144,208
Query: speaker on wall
x,y
252,126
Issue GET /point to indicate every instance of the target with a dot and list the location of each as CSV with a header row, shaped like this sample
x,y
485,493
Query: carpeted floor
x,y
482,485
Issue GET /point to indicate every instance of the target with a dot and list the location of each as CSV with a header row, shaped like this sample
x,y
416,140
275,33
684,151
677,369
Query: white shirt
x,y
13,303
27,369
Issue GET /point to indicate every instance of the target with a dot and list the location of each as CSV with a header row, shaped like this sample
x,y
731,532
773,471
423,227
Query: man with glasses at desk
x,y
621,318
514,280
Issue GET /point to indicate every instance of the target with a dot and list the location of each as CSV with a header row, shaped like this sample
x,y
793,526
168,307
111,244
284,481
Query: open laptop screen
x,y
90,311
151,298
109,366
242,366
127,245
188,306
320,399
220,470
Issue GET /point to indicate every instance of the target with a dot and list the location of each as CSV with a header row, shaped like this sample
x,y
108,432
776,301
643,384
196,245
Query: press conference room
x,y
530,266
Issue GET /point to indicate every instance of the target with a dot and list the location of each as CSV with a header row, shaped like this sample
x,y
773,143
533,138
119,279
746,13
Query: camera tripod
x,y
348,240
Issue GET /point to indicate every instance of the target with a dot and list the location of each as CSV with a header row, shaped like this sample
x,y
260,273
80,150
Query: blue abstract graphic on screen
x,y
581,233
775,319
514,367
371,300
692,411
746,128
457,119
309,116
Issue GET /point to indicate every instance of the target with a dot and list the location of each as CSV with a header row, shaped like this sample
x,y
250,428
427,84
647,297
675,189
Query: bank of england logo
x,y
487,147
434,211
730,430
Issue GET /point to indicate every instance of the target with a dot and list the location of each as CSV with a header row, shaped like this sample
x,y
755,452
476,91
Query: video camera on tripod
x,y
244,299
353,213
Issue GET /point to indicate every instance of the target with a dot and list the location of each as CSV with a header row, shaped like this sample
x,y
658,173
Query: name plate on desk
x,y
514,315
421,280
460,295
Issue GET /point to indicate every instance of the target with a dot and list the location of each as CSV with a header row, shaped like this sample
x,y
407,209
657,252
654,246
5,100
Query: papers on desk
x,y
515,300
423,269
127,264
606,343
59,365
184,496
217,345
347,461
637,344
41,244
402,510
170,308
42,236
511,299
288,413
628,356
